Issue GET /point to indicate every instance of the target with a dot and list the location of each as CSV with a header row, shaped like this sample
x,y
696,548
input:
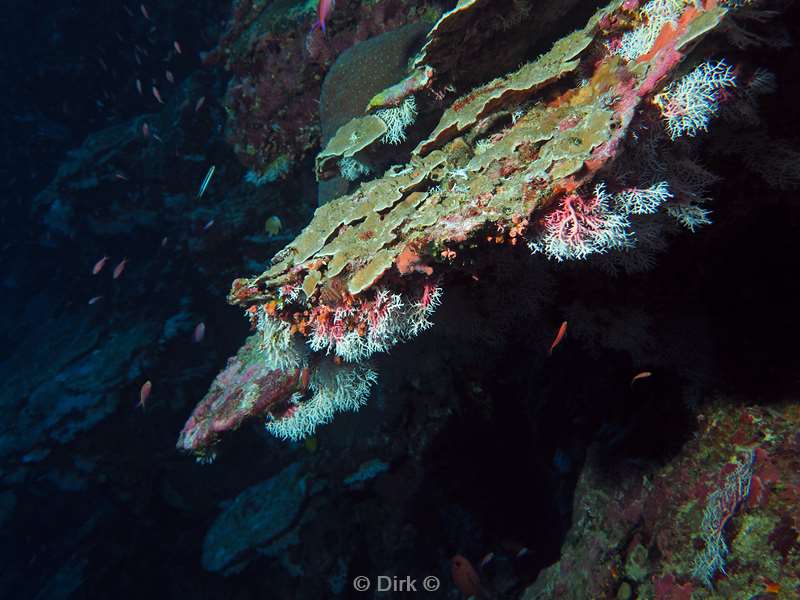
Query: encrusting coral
x,y
278,62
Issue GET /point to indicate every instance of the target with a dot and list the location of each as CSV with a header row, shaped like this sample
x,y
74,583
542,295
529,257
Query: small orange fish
x,y
145,14
199,333
177,47
199,103
305,376
94,300
465,577
121,176
139,86
157,95
642,375
98,266
324,9
145,130
120,268
144,394
562,331
170,77
770,587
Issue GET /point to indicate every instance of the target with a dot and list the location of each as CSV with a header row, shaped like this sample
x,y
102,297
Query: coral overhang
x,y
500,158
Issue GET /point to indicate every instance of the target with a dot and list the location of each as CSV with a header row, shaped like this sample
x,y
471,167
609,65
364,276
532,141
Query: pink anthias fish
x,y
145,14
94,300
98,266
199,103
139,86
157,95
324,9
638,376
170,77
177,47
145,130
562,331
120,268
144,394
465,577
199,333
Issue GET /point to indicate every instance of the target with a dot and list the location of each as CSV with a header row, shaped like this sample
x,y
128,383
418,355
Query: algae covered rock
x,y
638,532
256,517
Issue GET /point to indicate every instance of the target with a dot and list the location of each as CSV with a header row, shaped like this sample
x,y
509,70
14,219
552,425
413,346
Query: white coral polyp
x,y
386,321
397,119
334,388
687,105
281,349
655,14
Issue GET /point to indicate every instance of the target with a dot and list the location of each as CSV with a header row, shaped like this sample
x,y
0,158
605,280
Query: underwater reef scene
x,y
491,299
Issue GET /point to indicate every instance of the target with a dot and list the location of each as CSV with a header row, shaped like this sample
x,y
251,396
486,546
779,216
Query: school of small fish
x,y
144,57
140,55
140,52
